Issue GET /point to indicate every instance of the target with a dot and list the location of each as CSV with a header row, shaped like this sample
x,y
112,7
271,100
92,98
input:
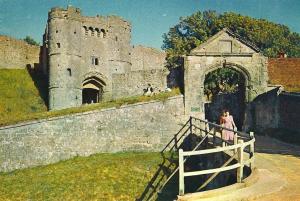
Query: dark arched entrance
x,y
225,88
92,90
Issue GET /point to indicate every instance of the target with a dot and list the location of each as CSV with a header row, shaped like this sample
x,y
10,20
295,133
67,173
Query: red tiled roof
x,y
286,72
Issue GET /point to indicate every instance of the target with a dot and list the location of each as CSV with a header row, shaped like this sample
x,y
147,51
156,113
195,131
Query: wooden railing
x,y
240,150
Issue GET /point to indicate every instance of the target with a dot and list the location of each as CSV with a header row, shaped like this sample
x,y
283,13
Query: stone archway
x,y
228,93
225,49
92,90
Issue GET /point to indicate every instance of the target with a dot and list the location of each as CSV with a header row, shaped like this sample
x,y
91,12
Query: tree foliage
x,y
30,41
222,80
193,30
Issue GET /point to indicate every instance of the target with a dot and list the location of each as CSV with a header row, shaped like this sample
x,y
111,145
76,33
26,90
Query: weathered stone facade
x,y
138,127
90,59
223,50
277,109
17,53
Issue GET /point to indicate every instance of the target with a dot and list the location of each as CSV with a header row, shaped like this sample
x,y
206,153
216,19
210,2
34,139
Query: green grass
x,y
20,99
18,95
119,176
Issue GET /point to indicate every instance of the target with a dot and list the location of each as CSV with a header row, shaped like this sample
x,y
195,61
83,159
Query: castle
x,y
90,59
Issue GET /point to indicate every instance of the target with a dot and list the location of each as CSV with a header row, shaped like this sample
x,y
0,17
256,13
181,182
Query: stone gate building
x,y
90,59
224,50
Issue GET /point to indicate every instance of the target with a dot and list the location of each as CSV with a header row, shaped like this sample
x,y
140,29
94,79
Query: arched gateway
x,y
93,88
223,50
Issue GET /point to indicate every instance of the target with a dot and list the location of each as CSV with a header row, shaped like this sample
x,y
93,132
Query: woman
x,y
227,121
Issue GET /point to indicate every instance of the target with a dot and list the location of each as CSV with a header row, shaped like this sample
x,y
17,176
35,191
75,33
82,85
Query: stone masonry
x,y
17,53
224,50
90,59
138,127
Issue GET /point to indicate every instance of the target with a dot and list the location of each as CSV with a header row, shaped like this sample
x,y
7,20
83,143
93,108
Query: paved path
x,y
277,176
283,159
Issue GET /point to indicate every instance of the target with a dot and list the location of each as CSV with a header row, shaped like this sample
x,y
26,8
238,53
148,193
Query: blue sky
x,y
149,18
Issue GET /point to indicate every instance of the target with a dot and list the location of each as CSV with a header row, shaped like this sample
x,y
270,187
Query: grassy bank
x,y
120,176
11,118
19,95
20,99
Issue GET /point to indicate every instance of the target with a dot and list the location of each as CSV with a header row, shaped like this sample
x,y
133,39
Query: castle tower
x,y
65,58
83,54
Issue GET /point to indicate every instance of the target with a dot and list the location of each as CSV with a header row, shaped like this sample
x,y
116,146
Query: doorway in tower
x,y
92,90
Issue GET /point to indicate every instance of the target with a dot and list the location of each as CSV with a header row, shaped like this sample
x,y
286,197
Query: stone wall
x,y
95,53
146,58
147,69
277,110
265,110
138,127
17,53
289,111
134,83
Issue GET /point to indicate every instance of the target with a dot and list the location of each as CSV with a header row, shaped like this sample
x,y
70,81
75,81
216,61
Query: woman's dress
x,y
228,123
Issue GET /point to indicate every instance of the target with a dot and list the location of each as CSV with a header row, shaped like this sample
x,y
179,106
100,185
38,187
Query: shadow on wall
x,y
265,110
277,114
176,78
40,80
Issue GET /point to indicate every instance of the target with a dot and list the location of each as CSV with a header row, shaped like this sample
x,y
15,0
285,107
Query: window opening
x,y
69,71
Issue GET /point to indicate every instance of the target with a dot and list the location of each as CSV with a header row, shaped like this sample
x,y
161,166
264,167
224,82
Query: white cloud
x,y
164,15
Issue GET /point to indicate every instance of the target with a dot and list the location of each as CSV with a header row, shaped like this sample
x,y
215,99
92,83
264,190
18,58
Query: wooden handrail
x,y
242,134
237,148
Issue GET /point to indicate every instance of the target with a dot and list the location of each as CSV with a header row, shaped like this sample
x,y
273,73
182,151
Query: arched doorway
x,y
92,90
225,88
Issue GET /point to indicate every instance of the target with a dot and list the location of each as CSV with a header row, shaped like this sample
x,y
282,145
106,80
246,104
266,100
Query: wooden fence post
x,y
235,140
191,126
181,172
214,138
252,150
206,132
241,161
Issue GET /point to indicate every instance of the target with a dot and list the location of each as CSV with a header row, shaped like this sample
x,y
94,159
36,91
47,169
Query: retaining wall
x,y
138,127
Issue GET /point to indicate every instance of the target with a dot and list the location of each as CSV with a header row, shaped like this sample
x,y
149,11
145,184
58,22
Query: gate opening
x,y
92,90
225,88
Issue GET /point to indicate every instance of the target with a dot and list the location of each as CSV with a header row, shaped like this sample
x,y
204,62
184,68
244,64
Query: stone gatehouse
x,y
225,50
90,59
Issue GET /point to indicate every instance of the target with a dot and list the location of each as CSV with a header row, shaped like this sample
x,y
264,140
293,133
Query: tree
x,y
193,30
225,80
30,41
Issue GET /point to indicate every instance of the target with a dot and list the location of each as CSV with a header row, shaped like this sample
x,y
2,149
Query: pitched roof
x,y
241,39
230,33
286,72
